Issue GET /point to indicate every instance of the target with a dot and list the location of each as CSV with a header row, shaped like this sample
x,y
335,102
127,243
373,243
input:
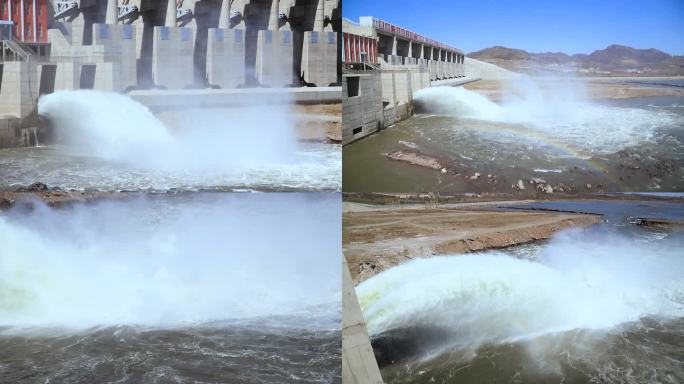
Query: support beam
x,y
170,13
112,12
273,18
35,38
224,15
319,21
21,12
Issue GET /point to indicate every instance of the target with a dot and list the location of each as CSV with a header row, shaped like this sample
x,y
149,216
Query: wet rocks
x,y
6,203
367,270
37,187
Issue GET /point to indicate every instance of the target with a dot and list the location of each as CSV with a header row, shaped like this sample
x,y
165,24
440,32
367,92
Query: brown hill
x,y
617,54
500,53
614,58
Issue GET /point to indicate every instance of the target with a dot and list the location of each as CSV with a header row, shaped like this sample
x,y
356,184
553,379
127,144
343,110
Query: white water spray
x,y
151,262
559,112
114,127
581,281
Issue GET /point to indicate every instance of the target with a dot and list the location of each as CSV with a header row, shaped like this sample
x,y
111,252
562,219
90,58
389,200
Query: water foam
x,y
580,281
560,113
152,262
247,147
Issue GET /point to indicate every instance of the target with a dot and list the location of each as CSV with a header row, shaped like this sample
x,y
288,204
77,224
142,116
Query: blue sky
x,y
580,26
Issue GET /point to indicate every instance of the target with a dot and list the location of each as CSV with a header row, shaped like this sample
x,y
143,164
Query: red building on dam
x,y
24,20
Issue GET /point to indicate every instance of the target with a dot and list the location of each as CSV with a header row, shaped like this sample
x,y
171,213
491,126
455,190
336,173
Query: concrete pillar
x,y
410,49
394,45
224,15
422,51
170,13
112,12
239,6
273,18
21,12
35,39
319,21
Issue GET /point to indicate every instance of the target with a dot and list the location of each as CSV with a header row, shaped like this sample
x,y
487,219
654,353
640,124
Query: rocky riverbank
x,y
52,196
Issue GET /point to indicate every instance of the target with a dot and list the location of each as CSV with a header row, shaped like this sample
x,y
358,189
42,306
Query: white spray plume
x,y
117,128
581,281
152,262
559,111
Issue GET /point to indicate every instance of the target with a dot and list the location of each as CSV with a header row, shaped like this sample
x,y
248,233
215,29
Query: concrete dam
x,y
384,64
185,52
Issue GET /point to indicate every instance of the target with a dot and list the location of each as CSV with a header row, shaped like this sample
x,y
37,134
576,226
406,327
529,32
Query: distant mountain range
x,y
615,59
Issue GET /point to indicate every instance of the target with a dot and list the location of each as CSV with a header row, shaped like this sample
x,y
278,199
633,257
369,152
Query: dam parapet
x,y
384,64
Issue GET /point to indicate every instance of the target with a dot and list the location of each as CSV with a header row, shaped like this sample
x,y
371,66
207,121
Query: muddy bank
x,y
380,239
371,201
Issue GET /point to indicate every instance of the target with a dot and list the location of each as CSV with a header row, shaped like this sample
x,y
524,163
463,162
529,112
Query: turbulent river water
x,y
631,145
600,305
209,288
109,142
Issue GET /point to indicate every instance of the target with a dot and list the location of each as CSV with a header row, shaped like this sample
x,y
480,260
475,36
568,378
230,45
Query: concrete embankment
x,y
375,240
358,361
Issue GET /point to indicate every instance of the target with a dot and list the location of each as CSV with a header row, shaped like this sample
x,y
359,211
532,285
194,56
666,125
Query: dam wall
x,y
384,65
359,365
120,46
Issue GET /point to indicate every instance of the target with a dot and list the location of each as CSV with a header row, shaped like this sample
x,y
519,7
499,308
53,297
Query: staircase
x,y
12,51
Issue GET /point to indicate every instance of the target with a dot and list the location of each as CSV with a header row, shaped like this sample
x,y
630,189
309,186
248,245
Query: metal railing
x,y
11,51
21,51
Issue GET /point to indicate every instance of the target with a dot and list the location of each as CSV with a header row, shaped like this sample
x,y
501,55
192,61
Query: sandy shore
x,y
319,122
595,87
375,240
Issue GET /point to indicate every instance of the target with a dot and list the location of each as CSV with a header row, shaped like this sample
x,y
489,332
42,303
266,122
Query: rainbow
x,y
540,138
